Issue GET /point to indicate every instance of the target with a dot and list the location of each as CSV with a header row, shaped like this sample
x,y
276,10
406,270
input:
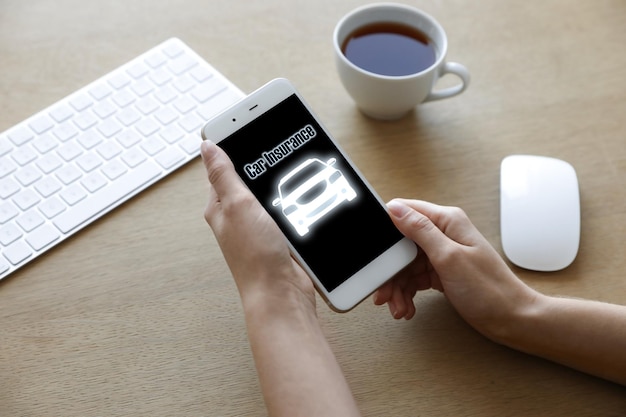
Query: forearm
x,y
297,369
585,335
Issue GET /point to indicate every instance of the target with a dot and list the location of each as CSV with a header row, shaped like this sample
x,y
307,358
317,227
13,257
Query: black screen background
x,y
350,236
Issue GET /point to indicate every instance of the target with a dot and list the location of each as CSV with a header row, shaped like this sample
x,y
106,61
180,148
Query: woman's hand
x,y
456,259
253,246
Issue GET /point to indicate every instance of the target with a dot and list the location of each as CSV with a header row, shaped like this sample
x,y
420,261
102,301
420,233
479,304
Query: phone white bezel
x,y
363,283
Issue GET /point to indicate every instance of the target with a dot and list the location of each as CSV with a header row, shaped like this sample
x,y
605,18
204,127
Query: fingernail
x,y
392,308
207,148
397,209
206,145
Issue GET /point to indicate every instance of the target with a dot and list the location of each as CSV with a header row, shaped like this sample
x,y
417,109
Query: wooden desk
x,y
137,315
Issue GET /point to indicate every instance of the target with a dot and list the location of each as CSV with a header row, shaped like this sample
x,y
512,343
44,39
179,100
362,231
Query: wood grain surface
x,y
137,315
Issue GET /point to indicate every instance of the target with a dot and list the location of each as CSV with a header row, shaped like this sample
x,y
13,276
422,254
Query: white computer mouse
x,y
539,212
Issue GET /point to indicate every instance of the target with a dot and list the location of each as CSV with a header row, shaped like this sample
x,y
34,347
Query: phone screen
x,y
319,202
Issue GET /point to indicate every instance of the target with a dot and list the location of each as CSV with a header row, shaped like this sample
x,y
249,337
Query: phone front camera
x,y
234,120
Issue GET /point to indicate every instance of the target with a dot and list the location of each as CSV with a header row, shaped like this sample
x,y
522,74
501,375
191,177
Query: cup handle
x,y
456,69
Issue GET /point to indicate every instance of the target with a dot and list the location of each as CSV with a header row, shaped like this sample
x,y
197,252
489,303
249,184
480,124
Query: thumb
x,y
417,227
219,168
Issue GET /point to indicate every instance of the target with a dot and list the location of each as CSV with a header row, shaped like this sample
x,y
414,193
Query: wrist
x,y
278,294
514,327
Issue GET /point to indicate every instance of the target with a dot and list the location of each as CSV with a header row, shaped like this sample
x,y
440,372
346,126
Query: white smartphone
x,y
337,227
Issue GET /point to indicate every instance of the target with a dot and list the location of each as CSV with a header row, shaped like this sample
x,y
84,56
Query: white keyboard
x,y
78,159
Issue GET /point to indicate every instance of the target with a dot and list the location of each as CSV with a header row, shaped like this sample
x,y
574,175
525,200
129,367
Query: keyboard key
x,y
61,113
81,102
42,237
182,63
109,150
8,187
191,144
138,70
156,59
160,77
173,50
6,167
147,127
170,157
9,234
51,207
210,108
49,163
5,146
4,265
24,155
41,124
114,170
153,145
89,139
65,131
184,84
89,161
30,220
191,123
28,175
128,116
109,128
25,199
207,90
73,194
17,252
104,109
48,186
165,95
21,136
7,212
45,143
124,98
172,134
147,105
166,115
119,81
128,138
184,104
68,174
200,74
70,151
100,91
85,120
133,157
142,87
93,182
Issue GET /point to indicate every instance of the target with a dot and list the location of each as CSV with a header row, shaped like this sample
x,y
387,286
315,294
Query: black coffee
x,y
391,49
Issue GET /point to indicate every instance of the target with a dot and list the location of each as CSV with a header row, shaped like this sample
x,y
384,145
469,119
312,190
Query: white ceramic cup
x,y
391,97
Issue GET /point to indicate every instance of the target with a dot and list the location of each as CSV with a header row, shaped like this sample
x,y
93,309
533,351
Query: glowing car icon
x,y
310,191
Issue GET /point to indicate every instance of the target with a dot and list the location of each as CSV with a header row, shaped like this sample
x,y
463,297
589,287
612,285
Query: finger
x,y
417,274
452,221
407,274
398,300
212,207
220,169
392,307
425,207
383,294
417,227
409,294
410,305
